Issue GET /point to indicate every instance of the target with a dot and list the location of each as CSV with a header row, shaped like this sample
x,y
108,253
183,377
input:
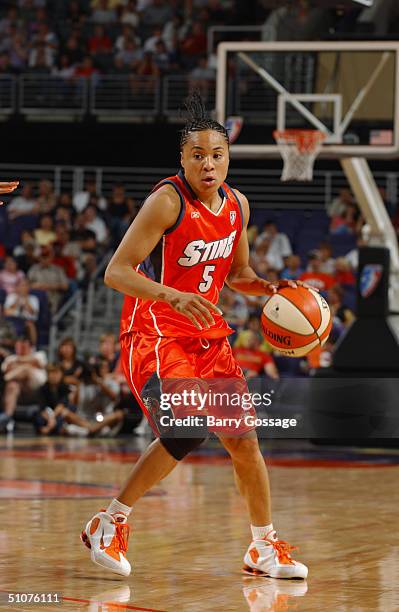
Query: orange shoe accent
x,y
282,549
119,541
94,525
254,554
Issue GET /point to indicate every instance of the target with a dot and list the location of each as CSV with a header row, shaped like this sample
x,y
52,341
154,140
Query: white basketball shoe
x,y
107,537
271,557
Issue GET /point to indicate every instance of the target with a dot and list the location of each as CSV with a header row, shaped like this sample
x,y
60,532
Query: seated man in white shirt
x,y
24,204
280,246
25,371
25,307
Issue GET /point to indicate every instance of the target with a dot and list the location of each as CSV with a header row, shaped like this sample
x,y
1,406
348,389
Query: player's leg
x,y
253,483
266,554
107,532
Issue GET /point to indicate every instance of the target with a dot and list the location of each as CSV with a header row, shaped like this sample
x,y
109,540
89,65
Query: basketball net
x,y
299,149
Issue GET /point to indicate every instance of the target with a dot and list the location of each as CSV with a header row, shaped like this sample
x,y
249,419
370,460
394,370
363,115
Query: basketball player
x,y
171,328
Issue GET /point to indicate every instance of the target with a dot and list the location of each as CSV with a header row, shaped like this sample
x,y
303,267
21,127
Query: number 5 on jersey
x,y
207,279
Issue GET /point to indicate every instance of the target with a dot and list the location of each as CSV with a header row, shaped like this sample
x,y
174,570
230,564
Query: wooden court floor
x,y
340,506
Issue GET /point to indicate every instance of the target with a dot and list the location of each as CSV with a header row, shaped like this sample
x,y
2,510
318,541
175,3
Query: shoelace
x,y
282,549
122,531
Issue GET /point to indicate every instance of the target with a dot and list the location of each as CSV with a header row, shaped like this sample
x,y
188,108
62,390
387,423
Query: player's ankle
x,y
260,532
116,506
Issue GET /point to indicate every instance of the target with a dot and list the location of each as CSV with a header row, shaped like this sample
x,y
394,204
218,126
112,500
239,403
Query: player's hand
x,y
196,308
290,283
8,187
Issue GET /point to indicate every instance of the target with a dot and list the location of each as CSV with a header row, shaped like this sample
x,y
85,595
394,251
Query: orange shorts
x,y
156,367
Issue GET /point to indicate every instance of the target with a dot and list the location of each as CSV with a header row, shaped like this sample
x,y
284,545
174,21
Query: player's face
x,y
205,159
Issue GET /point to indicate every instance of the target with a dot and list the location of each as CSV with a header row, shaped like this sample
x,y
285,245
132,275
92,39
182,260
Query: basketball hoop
x,y
299,149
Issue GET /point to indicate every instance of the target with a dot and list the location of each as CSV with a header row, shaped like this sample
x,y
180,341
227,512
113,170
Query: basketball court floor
x,y
339,505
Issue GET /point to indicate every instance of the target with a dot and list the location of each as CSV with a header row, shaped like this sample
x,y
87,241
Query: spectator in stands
x,y
86,69
252,360
202,77
103,14
24,204
8,337
18,51
252,234
340,312
121,211
25,253
99,43
58,416
46,276
151,42
10,275
23,309
131,55
327,261
81,198
45,234
87,270
66,263
174,31
71,366
46,198
162,57
338,206
25,371
41,59
92,221
234,307
68,247
127,34
10,19
343,274
261,257
293,268
75,13
314,276
156,14
280,246
130,15
100,390
73,50
108,350
349,222
193,46
5,65
145,68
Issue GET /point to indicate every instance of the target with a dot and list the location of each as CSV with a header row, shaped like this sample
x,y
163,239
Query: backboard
x,y
348,90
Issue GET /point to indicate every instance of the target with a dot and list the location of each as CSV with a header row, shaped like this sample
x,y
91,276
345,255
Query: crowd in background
x,y
77,39
58,254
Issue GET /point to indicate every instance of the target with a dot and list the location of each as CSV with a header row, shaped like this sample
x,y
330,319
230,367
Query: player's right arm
x,y
159,212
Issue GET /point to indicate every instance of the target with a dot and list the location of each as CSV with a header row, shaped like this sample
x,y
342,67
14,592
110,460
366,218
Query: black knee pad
x,y
181,447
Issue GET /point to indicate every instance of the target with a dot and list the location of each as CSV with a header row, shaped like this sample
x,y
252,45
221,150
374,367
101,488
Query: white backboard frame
x,y
333,150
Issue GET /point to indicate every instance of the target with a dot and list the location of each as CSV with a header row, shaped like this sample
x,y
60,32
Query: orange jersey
x,y
194,256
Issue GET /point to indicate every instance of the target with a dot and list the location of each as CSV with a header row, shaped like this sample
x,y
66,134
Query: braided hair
x,y
199,120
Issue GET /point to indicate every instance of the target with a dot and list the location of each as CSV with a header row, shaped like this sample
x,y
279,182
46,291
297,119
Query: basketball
x,y
295,321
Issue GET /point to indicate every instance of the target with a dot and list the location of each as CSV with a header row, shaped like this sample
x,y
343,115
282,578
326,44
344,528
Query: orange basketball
x,y
295,321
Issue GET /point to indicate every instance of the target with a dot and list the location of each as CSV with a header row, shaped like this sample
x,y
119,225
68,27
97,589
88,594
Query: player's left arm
x,y
8,187
242,277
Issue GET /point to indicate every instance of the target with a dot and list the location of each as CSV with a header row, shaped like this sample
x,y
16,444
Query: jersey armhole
x,y
239,205
182,205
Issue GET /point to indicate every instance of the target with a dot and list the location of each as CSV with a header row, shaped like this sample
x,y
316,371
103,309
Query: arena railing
x,y
127,94
262,186
72,308
49,94
176,87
